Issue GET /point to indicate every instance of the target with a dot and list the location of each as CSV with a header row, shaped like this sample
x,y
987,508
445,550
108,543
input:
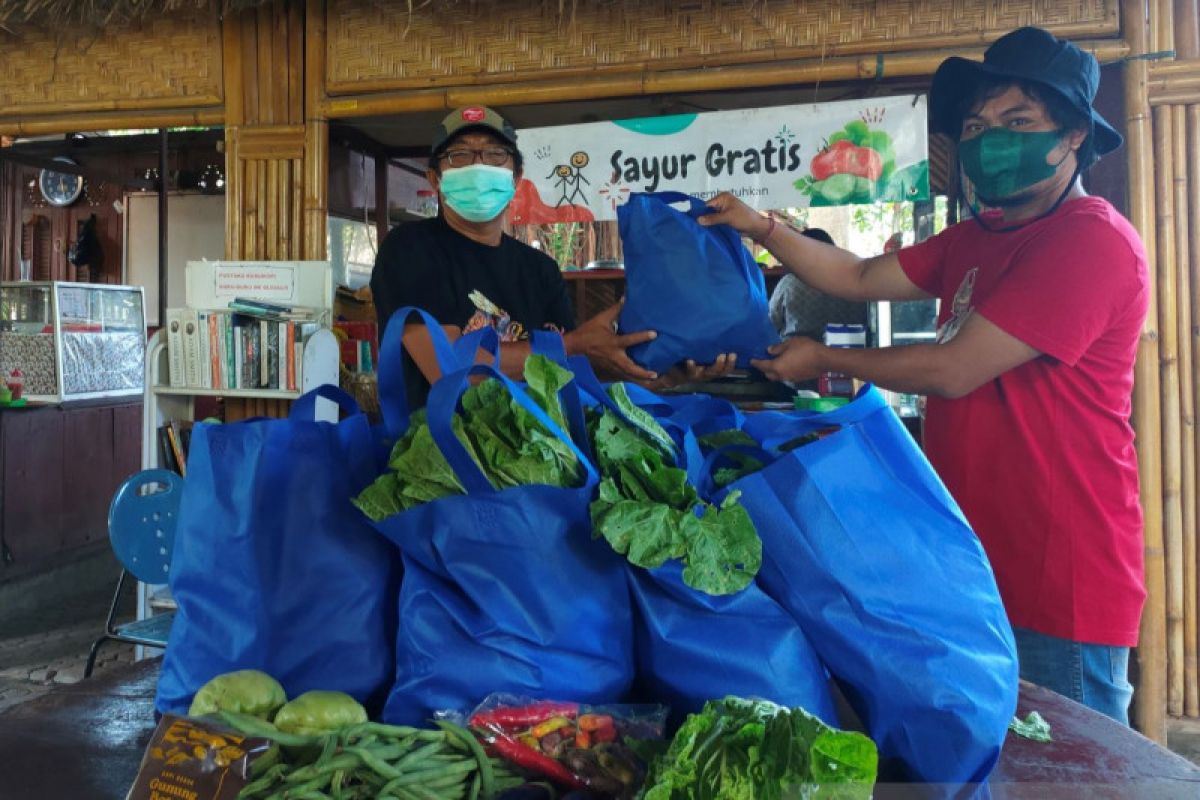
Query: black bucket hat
x,y
1028,54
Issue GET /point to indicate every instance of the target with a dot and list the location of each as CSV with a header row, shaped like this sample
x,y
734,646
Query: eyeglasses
x,y
492,156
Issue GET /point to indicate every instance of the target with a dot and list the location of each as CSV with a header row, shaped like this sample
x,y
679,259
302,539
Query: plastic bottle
x,y
839,384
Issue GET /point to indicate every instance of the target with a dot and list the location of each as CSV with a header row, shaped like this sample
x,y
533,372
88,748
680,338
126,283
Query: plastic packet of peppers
x,y
576,746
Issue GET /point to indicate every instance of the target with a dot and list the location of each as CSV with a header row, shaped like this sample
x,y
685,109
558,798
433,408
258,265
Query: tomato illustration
x,y
843,157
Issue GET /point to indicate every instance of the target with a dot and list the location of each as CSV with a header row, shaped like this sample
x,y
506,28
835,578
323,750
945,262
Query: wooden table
x,y
86,741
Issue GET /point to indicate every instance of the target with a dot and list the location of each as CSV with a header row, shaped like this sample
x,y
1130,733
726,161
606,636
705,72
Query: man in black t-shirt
x,y
467,273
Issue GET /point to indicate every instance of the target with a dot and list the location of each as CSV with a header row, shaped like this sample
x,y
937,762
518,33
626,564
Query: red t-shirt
x,y
1041,459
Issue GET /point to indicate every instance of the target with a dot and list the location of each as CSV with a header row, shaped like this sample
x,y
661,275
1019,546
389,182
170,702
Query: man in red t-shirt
x,y
1043,296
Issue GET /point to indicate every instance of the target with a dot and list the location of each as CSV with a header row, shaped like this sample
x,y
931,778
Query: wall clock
x,y
60,188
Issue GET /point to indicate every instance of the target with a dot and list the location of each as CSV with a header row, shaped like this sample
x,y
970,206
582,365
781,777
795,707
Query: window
x,y
352,246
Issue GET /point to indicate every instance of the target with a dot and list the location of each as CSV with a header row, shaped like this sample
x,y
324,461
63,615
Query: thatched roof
x,y
102,12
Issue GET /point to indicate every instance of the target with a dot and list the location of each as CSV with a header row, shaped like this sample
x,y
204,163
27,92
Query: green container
x,y
820,404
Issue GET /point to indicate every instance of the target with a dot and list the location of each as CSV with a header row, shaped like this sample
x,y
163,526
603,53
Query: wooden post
x,y
1172,513
266,142
1149,713
1185,229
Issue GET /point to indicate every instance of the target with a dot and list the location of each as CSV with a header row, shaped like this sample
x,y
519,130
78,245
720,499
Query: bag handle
x,y
545,343
552,346
466,346
443,400
704,481
868,401
393,394
305,407
696,206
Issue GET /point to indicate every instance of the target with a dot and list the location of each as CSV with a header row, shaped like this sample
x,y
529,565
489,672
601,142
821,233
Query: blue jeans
x,y
1092,674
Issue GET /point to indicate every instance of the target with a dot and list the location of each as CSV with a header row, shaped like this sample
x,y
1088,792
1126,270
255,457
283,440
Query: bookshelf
x,y
211,285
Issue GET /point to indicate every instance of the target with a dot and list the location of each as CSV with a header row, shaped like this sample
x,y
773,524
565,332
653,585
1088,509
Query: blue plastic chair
x,y
141,529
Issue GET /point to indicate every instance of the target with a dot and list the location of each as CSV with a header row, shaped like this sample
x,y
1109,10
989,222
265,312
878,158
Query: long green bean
x,y
487,777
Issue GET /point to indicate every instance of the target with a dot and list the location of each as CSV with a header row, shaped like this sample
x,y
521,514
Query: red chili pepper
x,y
512,750
513,717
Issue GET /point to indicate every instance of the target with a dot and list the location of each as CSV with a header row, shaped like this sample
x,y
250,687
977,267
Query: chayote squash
x,y
317,712
246,691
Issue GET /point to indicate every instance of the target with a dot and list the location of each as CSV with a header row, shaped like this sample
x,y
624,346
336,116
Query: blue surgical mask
x,y
478,192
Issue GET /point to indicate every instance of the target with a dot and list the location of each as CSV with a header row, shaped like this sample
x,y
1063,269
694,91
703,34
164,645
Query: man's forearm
x,y
911,369
512,358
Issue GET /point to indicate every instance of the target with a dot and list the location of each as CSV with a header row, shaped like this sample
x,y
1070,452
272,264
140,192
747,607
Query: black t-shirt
x,y
510,287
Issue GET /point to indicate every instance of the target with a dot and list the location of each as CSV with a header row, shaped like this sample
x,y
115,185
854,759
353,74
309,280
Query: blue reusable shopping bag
x,y
865,547
698,287
504,590
691,646
273,568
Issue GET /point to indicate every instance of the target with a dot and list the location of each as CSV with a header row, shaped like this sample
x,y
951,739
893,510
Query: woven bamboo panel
x,y
168,61
380,46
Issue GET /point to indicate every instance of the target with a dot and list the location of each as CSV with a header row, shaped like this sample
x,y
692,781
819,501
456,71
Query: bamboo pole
x,y
1185,229
271,209
1187,31
296,208
281,61
315,166
1193,334
1151,696
235,177
1186,97
295,78
594,86
1168,355
1166,70
177,117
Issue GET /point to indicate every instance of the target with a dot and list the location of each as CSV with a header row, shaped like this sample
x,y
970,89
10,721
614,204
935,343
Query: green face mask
x,y
1001,162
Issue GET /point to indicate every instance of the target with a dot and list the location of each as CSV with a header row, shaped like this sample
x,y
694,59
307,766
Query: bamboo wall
x,y
275,77
1163,103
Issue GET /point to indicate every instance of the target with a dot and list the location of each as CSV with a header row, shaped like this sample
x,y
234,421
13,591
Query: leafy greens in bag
x,y
648,512
509,445
739,749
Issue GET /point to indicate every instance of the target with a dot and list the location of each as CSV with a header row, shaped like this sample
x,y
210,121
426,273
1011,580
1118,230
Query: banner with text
x,y
853,151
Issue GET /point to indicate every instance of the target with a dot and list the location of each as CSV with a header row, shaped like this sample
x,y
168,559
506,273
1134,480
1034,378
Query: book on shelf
x,y
175,369
174,439
228,349
191,348
273,311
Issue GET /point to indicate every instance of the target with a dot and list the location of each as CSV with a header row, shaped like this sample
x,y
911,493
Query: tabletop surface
x,y
86,740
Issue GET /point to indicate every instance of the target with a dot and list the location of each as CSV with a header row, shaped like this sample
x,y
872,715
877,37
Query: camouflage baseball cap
x,y
473,118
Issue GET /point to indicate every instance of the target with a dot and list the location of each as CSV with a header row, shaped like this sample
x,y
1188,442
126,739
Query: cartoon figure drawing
x,y
570,178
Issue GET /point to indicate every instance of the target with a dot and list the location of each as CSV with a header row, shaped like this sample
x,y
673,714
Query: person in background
x,y
1043,296
464,270
799,310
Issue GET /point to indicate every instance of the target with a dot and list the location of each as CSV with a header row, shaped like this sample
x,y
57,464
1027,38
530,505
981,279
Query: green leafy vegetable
x,y
1032,727
743,464
738,749
648,511
509,444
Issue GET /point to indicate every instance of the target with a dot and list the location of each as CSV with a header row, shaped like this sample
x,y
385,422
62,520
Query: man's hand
x,y
728,210
796,359
598,340
691,372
